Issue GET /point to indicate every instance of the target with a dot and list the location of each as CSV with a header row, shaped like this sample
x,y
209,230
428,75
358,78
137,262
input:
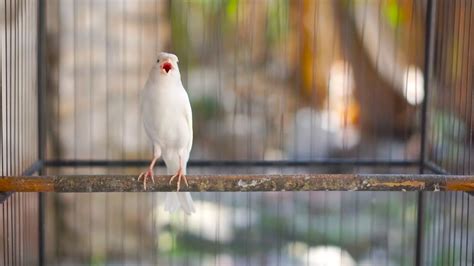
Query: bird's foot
x,y
145,175
180,175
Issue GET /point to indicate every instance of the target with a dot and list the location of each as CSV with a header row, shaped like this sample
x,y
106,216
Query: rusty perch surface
x,y
301,182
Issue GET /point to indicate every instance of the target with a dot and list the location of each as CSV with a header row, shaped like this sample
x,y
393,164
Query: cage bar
x,y
243,183
296,105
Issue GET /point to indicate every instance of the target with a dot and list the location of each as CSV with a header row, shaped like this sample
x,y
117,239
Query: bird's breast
x,y
165,120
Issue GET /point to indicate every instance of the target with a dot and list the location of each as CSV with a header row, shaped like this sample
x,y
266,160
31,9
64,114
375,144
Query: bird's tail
x,y
179,200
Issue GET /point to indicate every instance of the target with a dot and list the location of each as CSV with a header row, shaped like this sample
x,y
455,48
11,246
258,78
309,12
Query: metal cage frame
x,y
437,178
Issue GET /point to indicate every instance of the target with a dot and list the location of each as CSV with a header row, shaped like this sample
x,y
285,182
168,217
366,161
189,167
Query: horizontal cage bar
x,y
207,163
234,183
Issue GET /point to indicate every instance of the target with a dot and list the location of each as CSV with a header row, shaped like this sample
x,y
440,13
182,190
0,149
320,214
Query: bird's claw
x,y
145,175
179,175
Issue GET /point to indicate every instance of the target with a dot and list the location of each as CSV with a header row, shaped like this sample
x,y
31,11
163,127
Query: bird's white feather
x,y
167,118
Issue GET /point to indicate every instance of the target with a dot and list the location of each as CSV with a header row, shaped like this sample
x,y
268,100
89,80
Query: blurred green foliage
x,y
393,13
206,109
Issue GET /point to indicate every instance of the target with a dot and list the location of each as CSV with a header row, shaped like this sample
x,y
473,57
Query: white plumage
x,y
167,117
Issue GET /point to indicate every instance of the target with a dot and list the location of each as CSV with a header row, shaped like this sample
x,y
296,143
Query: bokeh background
x,y
313,81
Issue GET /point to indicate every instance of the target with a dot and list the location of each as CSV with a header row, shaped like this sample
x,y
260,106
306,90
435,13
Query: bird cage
x,y
325,132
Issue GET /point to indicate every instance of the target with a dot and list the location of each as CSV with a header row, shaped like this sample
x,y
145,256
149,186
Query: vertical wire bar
x,y
449,230
470,148
140,84
454,45
58,88
250,32
218,36
13,136
204,18
278,217
21,127
140,196
469,168
459,80
17,129
22,218
250,112
429,35
404,196
14,110
8,232
283,32
371,225
155,232
249,230
466,147
467,232
403,225
41,77
299,92
124,85
90,250
216,233
76,85
313,77
58,106
2,230
444,28
107,115
234,78
281,134
452,164
454,225
24,127
328,195
432,124
316,24
31,83
29,125
8,94
392,134
298,82
173,229
2,156
467,103
375,136
435,136
429,239
375,126
442,72
309,228
461,233
458,165
8,132
3,71
347,92
440,225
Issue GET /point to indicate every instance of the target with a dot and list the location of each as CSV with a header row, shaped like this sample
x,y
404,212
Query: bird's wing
x,y
145,112
189,119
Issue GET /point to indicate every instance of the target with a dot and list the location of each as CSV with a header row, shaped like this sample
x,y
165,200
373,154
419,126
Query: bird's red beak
x,y
167,66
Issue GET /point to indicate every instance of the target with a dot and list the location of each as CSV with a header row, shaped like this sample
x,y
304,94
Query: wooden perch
x,y
302,182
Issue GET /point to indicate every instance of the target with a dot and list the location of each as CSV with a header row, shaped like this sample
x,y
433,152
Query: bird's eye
x,y
158,60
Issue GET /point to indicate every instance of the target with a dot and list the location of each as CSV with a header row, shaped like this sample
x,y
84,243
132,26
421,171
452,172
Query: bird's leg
x,y
148,173
179,175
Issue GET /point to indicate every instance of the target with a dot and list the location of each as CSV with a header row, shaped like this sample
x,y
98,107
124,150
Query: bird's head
x,y
167,64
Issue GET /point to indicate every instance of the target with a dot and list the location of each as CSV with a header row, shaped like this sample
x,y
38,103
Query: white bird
x,y
167,118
